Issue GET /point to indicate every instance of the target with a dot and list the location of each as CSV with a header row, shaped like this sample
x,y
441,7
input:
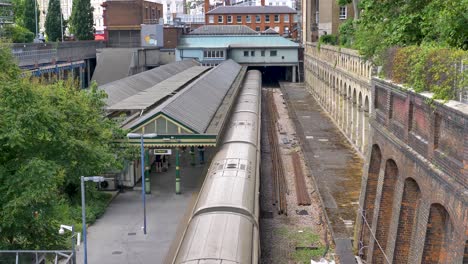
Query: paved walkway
x,y
334,164
117,237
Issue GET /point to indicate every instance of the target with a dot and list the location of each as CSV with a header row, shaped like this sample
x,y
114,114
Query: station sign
x,y
162,151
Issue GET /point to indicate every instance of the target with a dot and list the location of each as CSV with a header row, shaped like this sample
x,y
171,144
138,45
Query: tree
x,y
29,15
49,136
18,34
81,20
53,23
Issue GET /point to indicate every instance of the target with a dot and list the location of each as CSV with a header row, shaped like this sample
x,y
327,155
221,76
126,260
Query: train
x,y
224,225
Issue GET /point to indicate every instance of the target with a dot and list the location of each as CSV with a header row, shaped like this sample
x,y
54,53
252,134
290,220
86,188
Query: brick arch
x,y
407,220
369,197
438,236
385,211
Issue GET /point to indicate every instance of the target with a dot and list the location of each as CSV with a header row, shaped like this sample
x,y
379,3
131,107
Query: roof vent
x,y
231,166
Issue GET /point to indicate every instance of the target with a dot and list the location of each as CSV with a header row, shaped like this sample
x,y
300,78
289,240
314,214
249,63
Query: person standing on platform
x,y
158,163
201,154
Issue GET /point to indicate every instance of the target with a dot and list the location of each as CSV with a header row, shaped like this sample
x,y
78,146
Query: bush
x,y
428,68
18,34
346,36
329,39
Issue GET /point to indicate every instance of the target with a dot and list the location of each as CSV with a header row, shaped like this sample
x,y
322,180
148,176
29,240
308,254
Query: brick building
x,y
323,17
123,19
259,18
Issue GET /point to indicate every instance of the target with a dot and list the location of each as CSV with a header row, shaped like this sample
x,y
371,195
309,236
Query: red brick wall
x,y
253,25
407,220
435,229
385,210
438,234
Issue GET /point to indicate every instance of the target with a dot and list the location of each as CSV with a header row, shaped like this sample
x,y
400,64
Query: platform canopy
x,y
188,109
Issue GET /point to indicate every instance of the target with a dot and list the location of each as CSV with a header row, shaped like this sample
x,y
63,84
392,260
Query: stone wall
x,y
414,196
339,79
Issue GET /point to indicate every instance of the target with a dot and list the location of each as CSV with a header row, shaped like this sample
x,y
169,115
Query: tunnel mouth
x,y
272,75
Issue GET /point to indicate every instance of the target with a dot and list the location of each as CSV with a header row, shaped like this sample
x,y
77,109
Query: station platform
x,y
117,237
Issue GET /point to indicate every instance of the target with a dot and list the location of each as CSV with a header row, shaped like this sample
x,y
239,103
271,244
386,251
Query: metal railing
x,y
37,256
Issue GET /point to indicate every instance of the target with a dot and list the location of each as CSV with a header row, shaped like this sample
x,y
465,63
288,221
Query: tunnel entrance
x,y
274,74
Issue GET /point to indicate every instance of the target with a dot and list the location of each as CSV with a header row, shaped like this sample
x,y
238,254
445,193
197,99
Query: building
x,y
323,17
212,45
258,18
288,3
123,20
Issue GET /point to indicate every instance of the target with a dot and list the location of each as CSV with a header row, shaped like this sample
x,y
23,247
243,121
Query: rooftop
x,y
251,41
224,30
252,10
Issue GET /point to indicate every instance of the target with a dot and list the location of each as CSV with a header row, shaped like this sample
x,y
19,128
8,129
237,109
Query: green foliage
x,y
81,20
50,135
18,10
428,68
29,15
346,30
18,34
305,238
329,39
52,24
388,23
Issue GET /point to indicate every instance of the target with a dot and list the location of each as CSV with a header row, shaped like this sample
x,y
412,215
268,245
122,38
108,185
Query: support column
x,y
293,74
177,170
192,155
88,72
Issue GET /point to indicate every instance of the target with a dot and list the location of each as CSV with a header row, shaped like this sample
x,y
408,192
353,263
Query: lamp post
x,y
74,235
83,212
142,150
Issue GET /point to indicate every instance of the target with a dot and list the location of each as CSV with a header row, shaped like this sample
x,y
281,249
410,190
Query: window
x,y
229,19
267,18
258,19
220,19
252,53
239,19
286,18
273,53
246,53
286,30
211,19
248,19
257,28
214,54
262,53
343,12
267,27
277,18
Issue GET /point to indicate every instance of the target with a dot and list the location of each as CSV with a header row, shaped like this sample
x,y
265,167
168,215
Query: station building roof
x,y
247,41
129,86
224,30
187,109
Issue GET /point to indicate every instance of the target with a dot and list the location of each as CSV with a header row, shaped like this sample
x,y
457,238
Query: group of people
x,y
162,162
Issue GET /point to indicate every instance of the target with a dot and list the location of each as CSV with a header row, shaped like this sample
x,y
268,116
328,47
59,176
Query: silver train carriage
x,y
224,224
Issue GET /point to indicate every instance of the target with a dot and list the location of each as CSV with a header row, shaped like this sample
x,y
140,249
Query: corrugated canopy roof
x,y
196,105
129,86
261,41
224,30
252,10
151,96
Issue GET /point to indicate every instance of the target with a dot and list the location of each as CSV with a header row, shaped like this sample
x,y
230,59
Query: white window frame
x,y
267,20
286,18
277,18
248,19
259,20
237,20
211,19
343,12
229,19
222,19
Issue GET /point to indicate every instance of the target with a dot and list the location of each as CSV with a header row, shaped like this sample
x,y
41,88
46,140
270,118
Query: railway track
x,y
301,188
277,171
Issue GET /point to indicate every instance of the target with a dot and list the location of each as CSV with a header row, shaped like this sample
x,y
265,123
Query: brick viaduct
x,y
413,206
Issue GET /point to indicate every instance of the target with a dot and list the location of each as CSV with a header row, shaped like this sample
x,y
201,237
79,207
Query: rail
x,y
37,256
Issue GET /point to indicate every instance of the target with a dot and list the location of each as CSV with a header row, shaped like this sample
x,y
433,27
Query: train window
x,y
220,166
242,167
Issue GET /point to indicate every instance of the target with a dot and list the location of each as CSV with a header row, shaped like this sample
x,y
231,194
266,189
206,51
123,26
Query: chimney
x,y
227,2
263,2
207,6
